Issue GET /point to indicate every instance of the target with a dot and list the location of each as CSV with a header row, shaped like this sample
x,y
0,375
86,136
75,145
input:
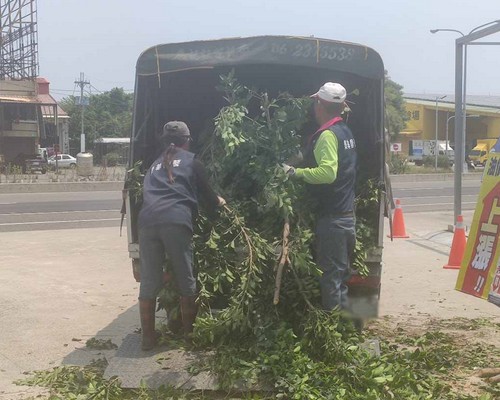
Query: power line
x,y
97,90
93,87
107,91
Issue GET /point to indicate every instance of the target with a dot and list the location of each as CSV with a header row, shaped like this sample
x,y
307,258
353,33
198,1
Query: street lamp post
x,y
460,44
464,94
465,167
436,150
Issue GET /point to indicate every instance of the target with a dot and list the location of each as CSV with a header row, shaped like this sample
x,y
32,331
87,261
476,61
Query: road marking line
x,y
59,222
434,188
59,212
430,197
438,204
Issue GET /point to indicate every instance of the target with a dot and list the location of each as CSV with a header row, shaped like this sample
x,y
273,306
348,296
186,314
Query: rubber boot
x,y
189,310
147,310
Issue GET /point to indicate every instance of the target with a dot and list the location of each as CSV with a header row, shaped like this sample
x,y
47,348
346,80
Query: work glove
x,y
222,202
289,170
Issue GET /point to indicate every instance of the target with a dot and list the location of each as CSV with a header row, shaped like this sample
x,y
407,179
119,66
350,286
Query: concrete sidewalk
x,y
61,288
414,281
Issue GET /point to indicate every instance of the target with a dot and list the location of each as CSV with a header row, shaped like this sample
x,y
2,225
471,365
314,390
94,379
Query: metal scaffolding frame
x,y
18,40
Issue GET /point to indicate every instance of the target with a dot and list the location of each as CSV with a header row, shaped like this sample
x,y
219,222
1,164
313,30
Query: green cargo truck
x,y
178,81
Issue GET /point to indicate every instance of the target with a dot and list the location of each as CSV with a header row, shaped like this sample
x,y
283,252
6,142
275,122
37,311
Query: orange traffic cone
x,y
457,246
398,223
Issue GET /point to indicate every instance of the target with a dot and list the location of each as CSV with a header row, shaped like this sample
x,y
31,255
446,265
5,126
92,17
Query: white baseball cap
x,y
331,92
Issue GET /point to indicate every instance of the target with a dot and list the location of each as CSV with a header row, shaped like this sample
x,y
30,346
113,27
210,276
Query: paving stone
x,y
160,366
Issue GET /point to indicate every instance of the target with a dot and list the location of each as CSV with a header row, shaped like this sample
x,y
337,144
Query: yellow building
x,y
483,119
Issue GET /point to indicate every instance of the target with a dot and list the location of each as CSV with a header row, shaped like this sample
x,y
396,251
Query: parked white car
x,y
63,161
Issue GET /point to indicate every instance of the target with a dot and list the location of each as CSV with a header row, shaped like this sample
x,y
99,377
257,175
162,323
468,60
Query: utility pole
x,y
82,83
436,147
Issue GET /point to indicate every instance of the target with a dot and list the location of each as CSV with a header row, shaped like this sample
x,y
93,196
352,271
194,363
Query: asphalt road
x,y
48,211
435,196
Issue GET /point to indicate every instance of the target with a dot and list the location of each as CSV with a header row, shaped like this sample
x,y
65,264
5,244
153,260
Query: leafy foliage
x,y
109,114
74,383
398,164
327,363
396,116
100,344
112,159
134,182
291,346
442,162
237,254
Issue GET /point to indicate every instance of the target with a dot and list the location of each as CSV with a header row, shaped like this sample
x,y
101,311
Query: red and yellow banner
x,y
480,270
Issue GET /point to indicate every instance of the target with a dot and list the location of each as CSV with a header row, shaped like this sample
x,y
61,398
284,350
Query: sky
x,y
104,38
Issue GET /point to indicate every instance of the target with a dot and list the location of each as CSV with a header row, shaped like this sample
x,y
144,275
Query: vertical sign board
x,y
480,270
396,147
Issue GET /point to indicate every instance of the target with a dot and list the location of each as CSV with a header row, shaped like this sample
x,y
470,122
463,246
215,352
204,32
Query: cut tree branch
x,y
283,261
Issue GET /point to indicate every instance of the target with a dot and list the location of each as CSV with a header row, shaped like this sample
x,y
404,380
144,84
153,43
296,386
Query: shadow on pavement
x,y
162,366
124,324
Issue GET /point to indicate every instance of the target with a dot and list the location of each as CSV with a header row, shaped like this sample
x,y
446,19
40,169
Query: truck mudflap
x,y
363,307
364,291
364,294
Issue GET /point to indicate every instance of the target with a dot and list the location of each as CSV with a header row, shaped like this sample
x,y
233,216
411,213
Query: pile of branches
x,y
259,292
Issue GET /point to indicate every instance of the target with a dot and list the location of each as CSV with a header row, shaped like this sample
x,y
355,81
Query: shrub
x,y
442,162
398,164
112,159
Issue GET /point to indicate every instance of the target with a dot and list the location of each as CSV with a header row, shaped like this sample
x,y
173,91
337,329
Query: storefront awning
x,y
41,99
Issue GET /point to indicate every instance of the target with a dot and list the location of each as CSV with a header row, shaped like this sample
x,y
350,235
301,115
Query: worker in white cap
x,y
329,169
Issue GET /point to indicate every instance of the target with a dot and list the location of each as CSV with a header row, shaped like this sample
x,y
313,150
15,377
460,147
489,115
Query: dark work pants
x,y
175,241
335,241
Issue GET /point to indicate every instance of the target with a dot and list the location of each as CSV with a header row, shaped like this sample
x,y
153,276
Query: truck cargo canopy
x,y
180,81
281,50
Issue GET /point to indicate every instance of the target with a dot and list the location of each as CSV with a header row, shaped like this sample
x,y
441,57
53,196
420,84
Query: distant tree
x,y
109,114
396,115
